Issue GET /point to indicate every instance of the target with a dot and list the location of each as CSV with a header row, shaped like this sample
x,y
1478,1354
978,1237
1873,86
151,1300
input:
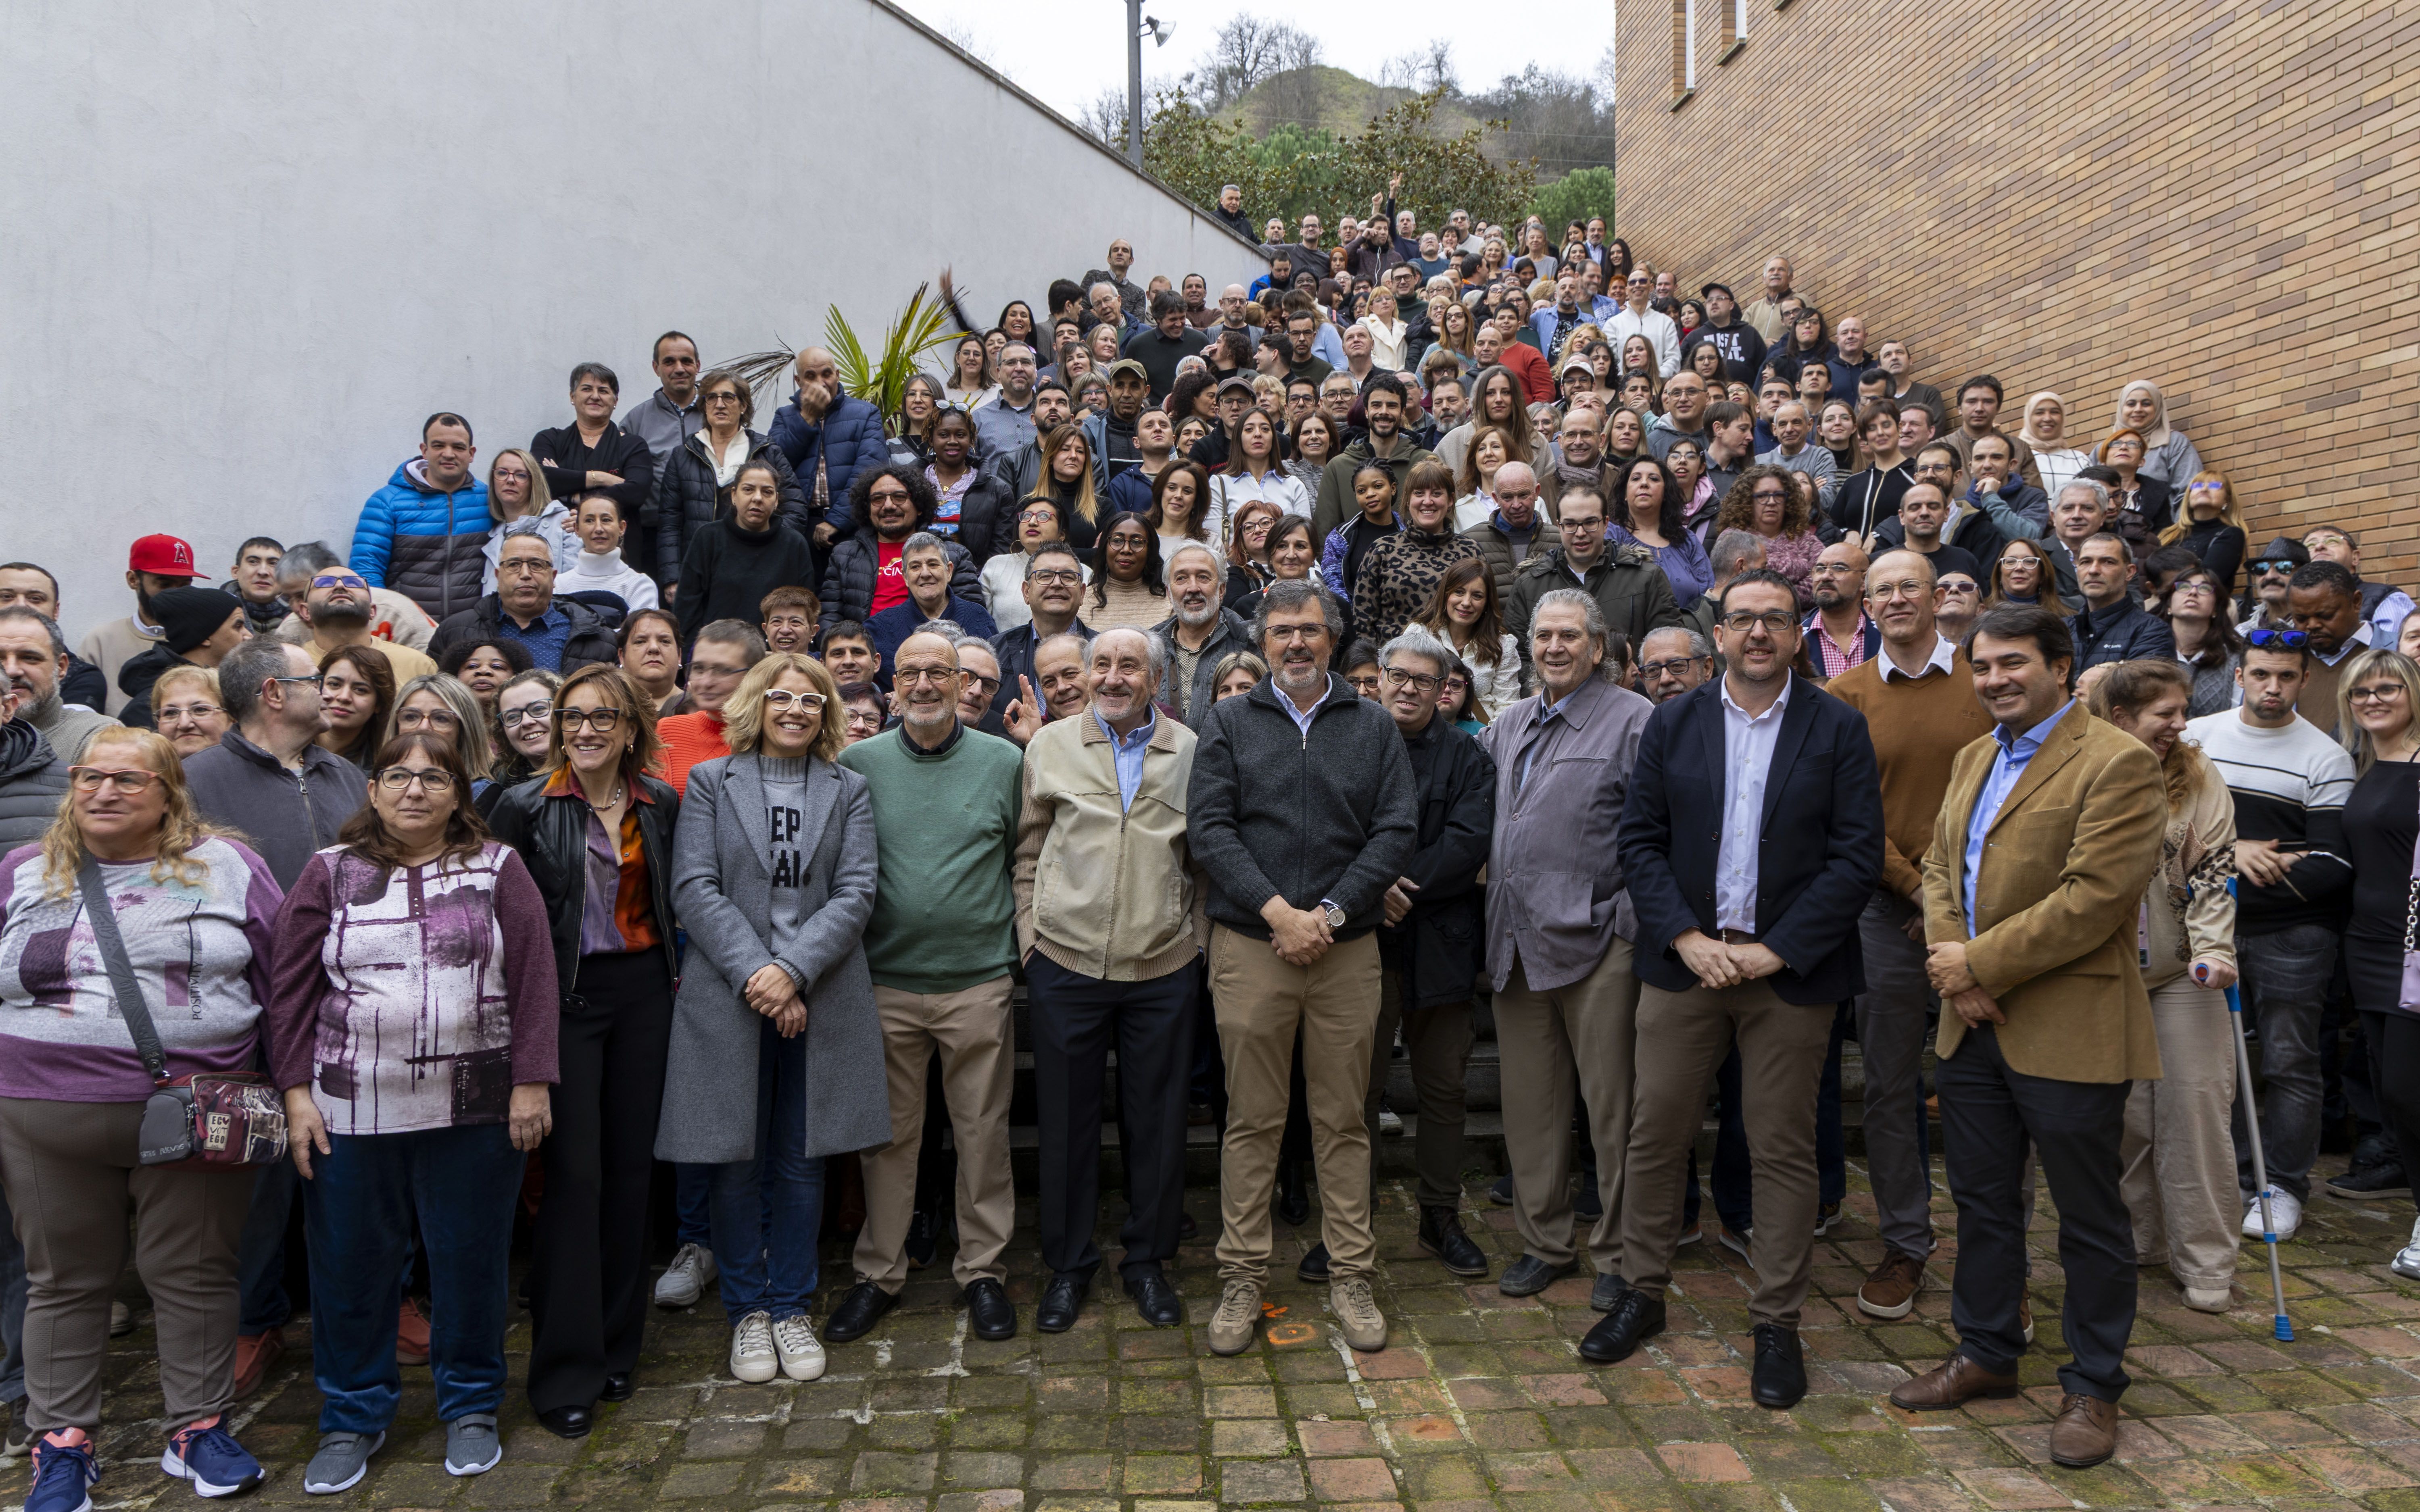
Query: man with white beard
x,y
1199,631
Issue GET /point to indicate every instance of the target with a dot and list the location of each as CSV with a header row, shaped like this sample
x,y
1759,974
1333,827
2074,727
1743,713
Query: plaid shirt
x,y
1832,657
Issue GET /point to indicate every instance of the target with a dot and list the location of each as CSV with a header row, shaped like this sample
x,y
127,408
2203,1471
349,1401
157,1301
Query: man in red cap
x,y
156,564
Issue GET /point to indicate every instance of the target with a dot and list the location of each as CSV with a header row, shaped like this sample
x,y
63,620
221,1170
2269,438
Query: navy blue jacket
x,y
1820,847
892,626
849,438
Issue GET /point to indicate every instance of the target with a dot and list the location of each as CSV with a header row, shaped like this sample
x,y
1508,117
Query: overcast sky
x,y
1066,52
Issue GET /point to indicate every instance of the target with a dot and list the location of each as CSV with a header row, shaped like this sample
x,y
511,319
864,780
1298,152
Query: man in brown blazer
x,y
2049,833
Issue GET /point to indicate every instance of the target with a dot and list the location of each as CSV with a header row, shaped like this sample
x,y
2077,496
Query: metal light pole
x,y
1134,81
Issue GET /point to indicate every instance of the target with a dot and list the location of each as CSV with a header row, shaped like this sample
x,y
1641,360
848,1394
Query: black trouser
x,y
1075,1019
2395,1073
588,1278
1988,1112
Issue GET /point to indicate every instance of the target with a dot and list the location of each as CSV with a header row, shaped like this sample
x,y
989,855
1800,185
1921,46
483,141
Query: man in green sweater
x,y
942,941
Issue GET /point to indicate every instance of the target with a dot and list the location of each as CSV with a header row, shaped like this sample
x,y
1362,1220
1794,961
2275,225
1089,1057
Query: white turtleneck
x,y
607,571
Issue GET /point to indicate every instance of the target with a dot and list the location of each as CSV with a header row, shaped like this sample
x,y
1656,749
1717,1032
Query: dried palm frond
x,y
879,380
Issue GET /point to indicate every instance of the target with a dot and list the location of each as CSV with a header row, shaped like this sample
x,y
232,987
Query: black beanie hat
x,y
191,615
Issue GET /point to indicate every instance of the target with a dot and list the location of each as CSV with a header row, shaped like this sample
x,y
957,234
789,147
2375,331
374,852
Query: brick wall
x,y
2223,197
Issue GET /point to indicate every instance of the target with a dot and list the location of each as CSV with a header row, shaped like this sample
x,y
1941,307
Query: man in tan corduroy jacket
x,y
2050,831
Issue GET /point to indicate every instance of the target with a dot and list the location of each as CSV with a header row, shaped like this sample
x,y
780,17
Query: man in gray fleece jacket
x,y
1301,814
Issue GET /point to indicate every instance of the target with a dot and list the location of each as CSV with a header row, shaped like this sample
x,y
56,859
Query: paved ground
x,y
1480,1402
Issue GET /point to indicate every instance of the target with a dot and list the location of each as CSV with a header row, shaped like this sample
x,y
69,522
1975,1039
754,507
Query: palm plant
x,y
880,381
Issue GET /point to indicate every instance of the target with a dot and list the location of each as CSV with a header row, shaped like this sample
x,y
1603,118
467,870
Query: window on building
x,y
1685,46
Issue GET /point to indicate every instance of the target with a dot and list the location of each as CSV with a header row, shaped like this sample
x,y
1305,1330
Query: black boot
x,y
1441,1235
1294,1199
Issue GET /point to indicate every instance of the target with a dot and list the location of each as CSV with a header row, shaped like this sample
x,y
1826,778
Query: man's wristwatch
x,y
1330,911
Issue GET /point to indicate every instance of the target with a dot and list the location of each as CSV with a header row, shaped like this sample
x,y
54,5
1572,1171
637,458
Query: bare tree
x,y
1105,117
965,39
1422,68
1246,51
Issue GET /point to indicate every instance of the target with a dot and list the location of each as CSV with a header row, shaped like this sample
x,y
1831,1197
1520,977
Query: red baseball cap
x,y
163,556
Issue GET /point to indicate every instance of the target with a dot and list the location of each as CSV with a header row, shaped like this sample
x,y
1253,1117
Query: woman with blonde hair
x,y
2179,1151
186,708
1388,333
1067,476
2168,455
128,882
1454,331
775,1001
2212,527
516,490
436,704
2378,712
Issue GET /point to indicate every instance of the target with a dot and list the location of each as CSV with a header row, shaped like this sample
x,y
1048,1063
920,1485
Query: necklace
x,y
594,807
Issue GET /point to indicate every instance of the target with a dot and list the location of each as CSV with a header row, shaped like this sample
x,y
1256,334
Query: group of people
x,y
1259,682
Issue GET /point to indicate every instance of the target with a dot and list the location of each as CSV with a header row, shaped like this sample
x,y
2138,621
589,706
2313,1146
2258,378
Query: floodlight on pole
x,y
1139,26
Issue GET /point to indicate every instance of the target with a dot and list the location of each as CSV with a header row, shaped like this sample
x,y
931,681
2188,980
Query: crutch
x,y
2260,1167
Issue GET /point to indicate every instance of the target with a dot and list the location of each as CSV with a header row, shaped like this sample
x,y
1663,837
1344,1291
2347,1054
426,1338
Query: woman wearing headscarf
x,y
2045,430
2168,453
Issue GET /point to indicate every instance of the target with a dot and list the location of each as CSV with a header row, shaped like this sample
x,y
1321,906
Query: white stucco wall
x,y
250,245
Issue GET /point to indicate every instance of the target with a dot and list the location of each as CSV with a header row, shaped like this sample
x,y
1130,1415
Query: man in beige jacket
x,y
1110,924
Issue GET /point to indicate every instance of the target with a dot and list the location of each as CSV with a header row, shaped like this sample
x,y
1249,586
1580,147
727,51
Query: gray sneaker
x,y
472,1448
343,1459
19,1440
685,1279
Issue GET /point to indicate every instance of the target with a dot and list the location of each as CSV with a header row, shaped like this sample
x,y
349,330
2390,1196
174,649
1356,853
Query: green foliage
x,y
1576,197
880,379
1295,170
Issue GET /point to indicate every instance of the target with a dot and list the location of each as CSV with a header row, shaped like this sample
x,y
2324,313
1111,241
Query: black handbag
x,y
208,1121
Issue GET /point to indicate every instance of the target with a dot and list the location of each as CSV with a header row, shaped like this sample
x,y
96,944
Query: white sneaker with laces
x,y
685,1279
802,1352
2407,1260
1390,1123
2284,1210
753,1359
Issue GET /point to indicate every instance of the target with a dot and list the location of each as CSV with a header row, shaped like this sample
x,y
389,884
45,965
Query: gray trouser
x,y
1890,1035
2286,977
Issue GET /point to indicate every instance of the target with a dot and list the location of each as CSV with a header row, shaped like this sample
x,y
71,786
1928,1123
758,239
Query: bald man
x,y
827,436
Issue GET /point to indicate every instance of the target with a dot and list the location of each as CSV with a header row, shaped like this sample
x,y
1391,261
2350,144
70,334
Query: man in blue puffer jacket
x,y
425,533
822,426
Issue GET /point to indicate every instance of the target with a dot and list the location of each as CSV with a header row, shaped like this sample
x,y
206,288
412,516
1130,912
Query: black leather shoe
x,y
1606,1291
618,1389
1314,1264
990,1312
1635,1319
1062,1298
1499,1192
1186,1230
1588,1202
858,1313
1441,1235
1294,1199
1158,1303
924,1238
1780,1376
1528,1275
568,1422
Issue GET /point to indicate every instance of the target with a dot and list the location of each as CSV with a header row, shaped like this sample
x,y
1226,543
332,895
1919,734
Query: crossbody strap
x,y
122,981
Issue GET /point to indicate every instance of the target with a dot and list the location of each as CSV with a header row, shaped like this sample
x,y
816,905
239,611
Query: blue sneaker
x,y
62,1471
207,1455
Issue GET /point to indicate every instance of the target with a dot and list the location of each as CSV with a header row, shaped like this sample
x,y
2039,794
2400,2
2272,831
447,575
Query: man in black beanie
x,y
201,626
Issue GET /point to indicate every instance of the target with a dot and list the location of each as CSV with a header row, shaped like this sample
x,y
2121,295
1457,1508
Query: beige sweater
x,y
2188,915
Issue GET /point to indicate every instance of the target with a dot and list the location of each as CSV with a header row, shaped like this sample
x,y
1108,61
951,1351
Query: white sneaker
x,y
1390,1123
802,1352
2284,1210
2407,1260
754,1358
685,1279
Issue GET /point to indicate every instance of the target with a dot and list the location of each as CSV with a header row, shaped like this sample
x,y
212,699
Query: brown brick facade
x,y
2224,197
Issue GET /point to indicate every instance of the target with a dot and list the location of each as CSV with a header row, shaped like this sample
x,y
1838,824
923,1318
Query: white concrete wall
x,y
248,246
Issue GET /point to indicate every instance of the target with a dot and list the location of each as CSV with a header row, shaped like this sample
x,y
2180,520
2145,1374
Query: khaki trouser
x,y
1681,1037
1258,1001
71,1176
2179,1154
1541,1036
1437,1041
971,1030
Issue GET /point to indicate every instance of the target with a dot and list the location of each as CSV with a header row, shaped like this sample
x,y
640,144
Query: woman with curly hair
x,y
1764,502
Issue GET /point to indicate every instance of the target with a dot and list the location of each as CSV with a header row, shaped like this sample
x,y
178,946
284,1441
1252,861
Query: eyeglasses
x,y
178,713
1363,681
1573,525
1414,681
1959,585
601,721
1675,665
1771,496
919,676
1884,592
708,669
727,397
426,718
127,779
526,713
887,495
1060,576
781,700
347,580
990,685
314,679
524,568
431,779
1772,620
1286,635
2285,640
2275,565
2376,693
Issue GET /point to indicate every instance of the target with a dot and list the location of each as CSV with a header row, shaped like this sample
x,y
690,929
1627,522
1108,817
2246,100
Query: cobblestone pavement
x,y
1480,1401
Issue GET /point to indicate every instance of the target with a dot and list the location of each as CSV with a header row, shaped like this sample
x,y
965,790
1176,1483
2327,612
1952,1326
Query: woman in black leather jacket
x,y
596,834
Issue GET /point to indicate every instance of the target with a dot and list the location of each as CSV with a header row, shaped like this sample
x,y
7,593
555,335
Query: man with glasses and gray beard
x,y
1200,630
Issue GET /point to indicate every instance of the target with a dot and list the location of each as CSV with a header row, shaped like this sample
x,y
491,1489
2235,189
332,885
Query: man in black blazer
x,y
1752,837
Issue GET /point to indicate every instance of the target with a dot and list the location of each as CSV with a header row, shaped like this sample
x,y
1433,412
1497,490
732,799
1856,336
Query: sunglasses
x,y
2282,640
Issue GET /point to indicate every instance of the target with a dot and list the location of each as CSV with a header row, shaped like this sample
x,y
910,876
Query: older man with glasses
x,y
560,636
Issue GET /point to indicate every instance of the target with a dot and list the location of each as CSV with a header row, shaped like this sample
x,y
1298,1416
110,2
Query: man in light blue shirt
x,y
2016,751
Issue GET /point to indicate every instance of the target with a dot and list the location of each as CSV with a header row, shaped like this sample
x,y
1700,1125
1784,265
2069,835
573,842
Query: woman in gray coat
x,y
773,869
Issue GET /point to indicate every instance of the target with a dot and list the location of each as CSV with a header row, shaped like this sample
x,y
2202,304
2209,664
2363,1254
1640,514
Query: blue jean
x,y
2286,977
692,1203
768,1210
1733,1178
13,1308
357,1214
260,1253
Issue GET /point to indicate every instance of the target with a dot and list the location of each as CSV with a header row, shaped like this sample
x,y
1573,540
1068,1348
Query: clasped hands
x,y
1946,965
772,993
1718,964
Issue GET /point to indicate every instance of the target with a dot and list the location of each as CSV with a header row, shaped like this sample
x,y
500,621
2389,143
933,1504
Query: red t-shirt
x,y
890,581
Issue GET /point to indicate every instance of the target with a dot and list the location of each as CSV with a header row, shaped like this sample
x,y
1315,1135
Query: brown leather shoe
x,y
1953,1383
2085,1432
